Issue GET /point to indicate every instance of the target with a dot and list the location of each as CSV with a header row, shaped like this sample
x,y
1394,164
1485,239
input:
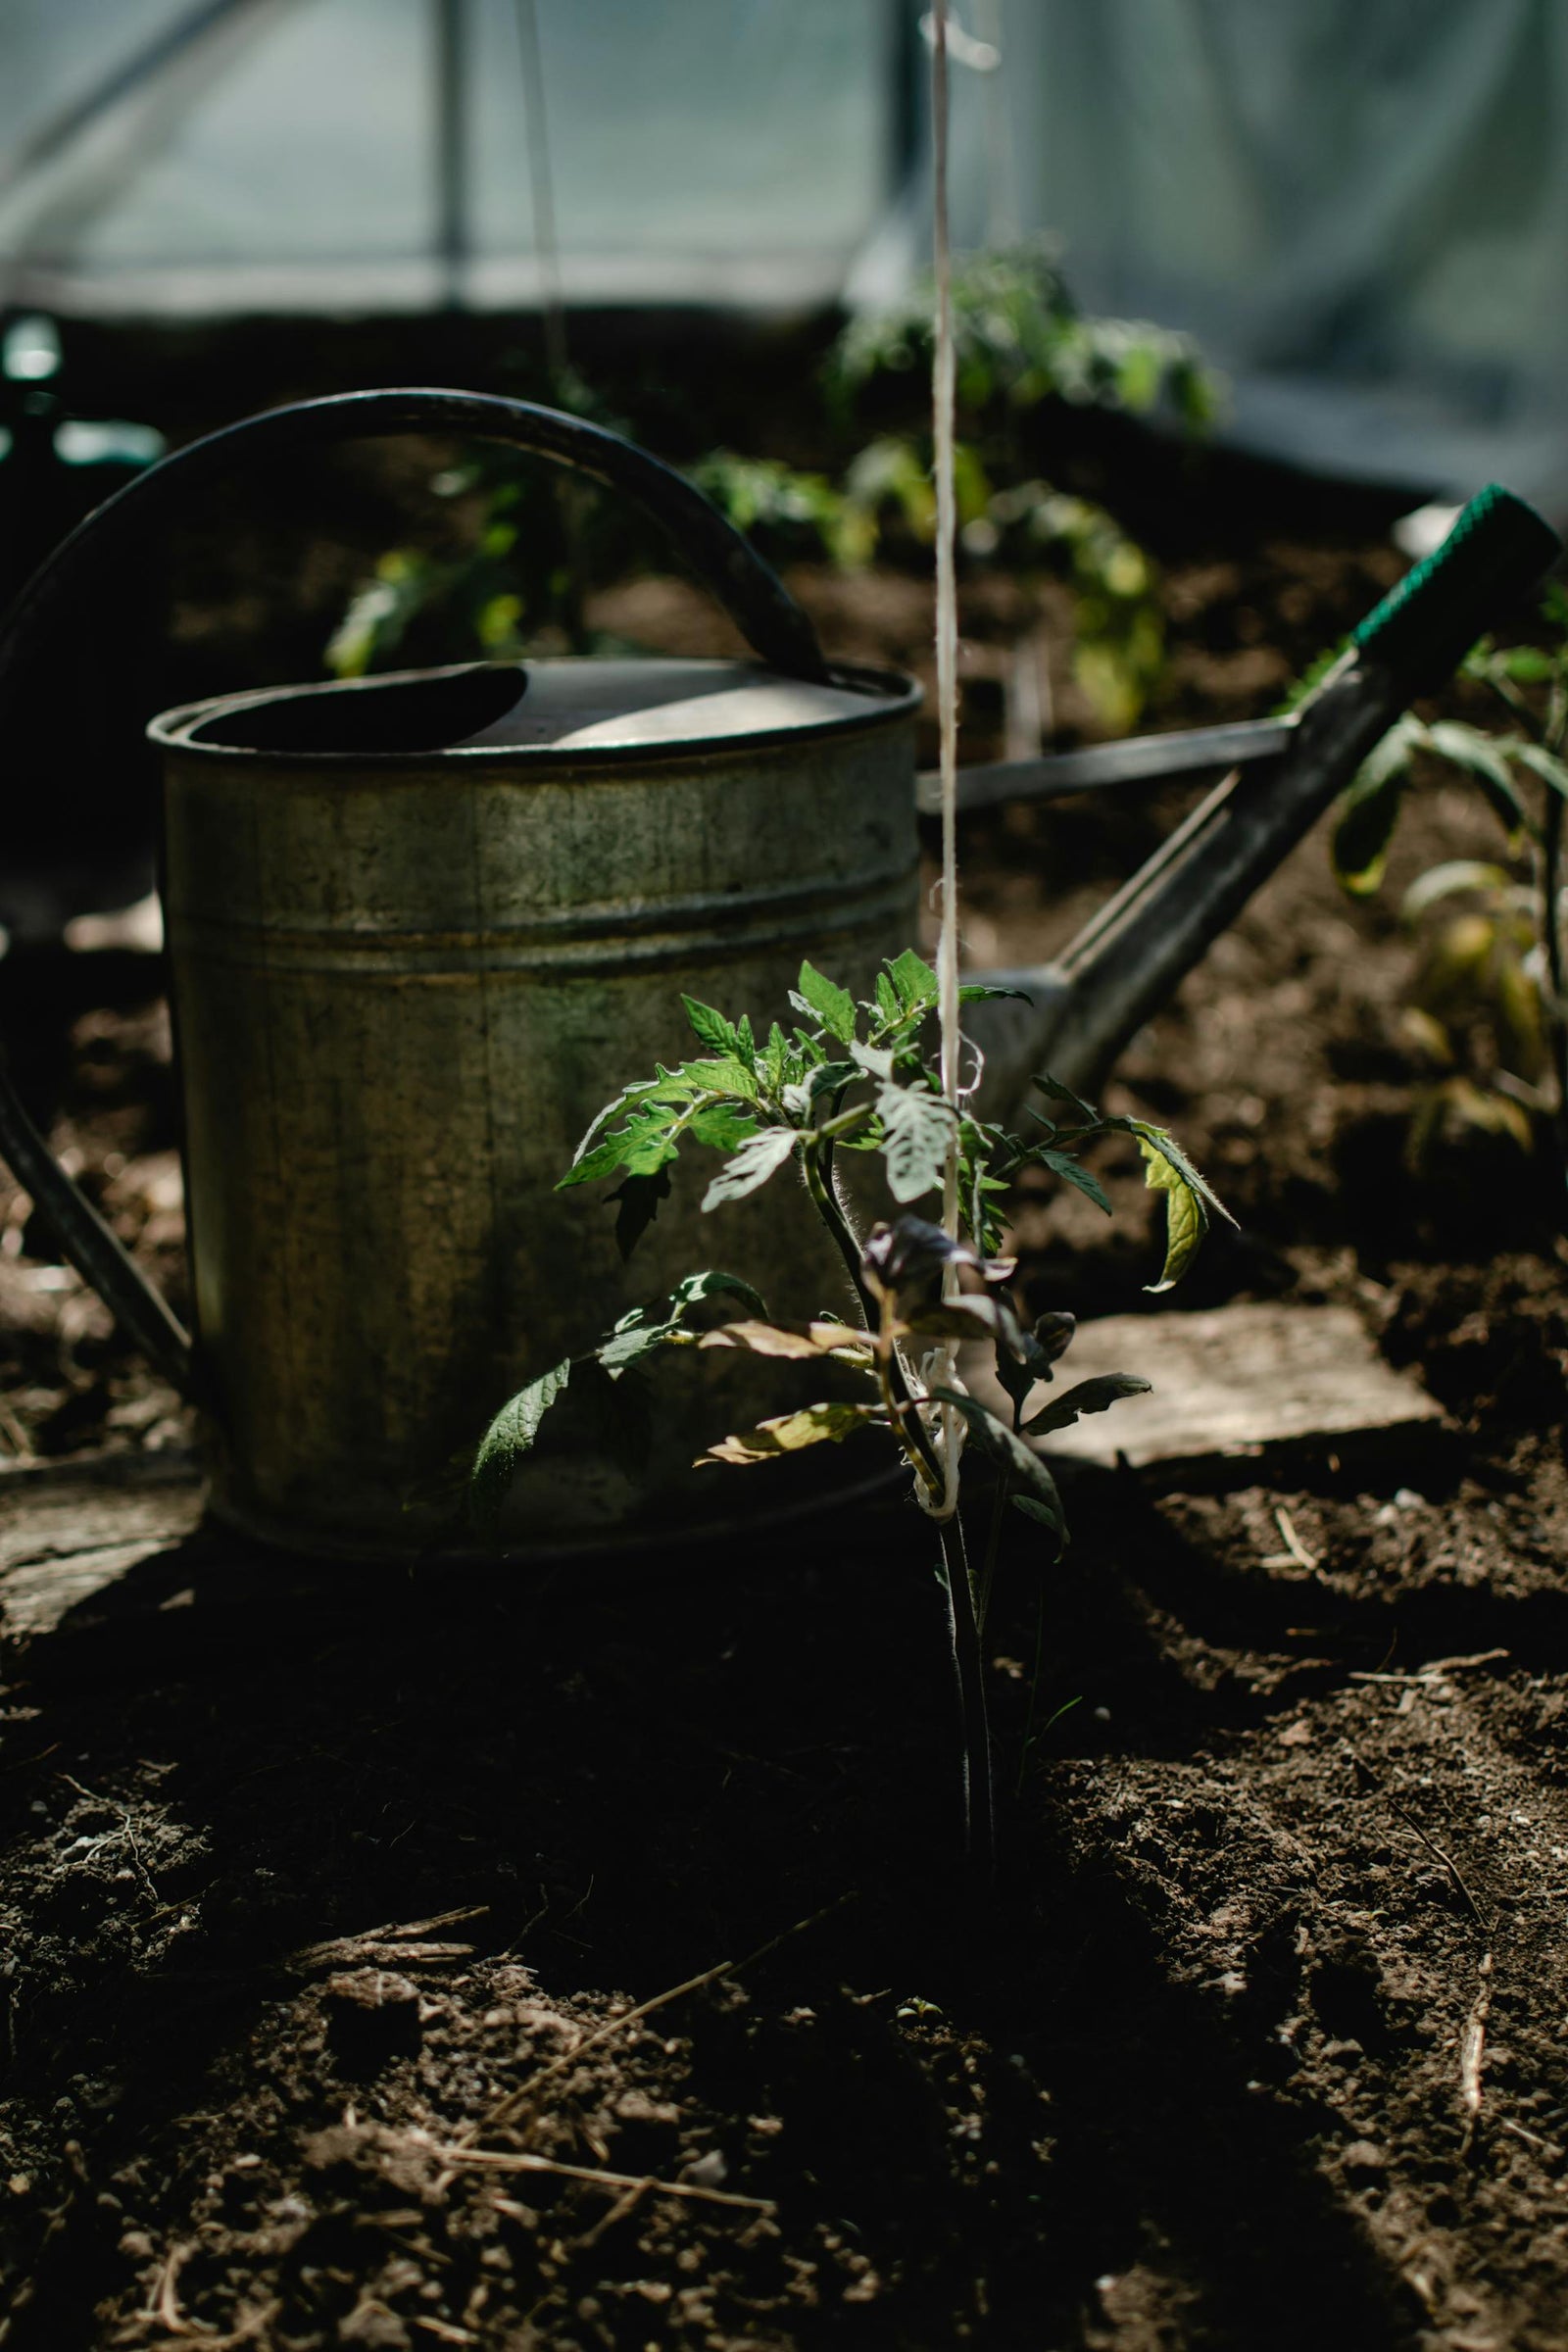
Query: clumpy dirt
x,y
406,1958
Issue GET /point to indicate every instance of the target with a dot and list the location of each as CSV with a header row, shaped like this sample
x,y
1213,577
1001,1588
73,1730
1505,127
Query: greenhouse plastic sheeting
x,y
1360,206
704,150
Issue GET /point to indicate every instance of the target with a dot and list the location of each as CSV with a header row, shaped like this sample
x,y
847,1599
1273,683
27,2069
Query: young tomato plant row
x,y
1491,999
857,1077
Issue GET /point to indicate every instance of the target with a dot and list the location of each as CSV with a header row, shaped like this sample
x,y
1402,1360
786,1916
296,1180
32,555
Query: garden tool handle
x,y
1129,959
749,590
1426,625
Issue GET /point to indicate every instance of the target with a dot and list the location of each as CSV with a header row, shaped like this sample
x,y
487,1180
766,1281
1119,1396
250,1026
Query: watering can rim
x,y
890,695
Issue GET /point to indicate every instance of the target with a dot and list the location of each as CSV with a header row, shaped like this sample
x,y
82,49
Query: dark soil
x,y
331,1902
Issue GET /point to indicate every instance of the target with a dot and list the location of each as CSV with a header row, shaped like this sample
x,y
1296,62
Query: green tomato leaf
x,y
917,1127
725,1126
1094,1395
913,979
695,1288
1187,1199
833,1007
1063,1164
752,1164
877,1060
509,1436
726,1074
642,1148
711,1029
1057,1091
638,1335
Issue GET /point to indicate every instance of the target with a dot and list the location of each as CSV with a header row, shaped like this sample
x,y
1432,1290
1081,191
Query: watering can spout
x,y
1076,1015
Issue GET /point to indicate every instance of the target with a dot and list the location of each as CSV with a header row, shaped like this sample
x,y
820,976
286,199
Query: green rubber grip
x,y
1498,548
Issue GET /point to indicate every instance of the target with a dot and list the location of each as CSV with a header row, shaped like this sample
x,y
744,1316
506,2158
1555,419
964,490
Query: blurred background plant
x,y
1488,1014
531,552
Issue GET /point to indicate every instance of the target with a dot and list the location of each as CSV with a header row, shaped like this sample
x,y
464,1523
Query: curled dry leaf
x,y
771,1339
790,1432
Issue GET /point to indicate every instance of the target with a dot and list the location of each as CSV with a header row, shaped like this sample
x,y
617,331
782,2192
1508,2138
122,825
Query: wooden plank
x,y
70,1528
1229,1384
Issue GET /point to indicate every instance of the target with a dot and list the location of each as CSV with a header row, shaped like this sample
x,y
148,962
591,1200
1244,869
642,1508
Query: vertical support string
x,y
542,190
943,400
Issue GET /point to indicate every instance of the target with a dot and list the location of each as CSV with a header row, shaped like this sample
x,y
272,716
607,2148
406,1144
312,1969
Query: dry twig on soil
x,y
1472,2051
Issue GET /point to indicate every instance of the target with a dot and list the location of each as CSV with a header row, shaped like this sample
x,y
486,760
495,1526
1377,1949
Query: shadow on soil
x,y
637,1774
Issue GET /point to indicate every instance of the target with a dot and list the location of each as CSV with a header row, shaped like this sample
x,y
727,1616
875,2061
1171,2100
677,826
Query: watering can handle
x,y
1132,954
753,596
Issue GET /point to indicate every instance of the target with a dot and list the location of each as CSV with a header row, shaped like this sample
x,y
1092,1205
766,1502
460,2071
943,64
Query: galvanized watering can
x,y
422,927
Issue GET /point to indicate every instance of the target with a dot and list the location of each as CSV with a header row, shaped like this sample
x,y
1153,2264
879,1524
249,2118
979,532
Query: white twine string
x,y
943,390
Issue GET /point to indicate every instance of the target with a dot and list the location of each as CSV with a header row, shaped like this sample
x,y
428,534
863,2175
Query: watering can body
x,y
404,983
422,929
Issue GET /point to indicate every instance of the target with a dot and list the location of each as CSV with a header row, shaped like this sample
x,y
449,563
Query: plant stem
x,y
979,1821
999,1508
896,1394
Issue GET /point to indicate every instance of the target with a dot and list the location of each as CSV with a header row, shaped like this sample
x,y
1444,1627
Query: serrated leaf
x,y
752,1164
1094,1395
834,1006
1071,1171
913,980
722,1126
642,1148
791,1432
724,1074
887,998
693,1289
775,1059
645,1327
509,1436
1056,1090
628,1097
711,1029
1187,1199
980,992
917,1128
877,1059
638,1335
